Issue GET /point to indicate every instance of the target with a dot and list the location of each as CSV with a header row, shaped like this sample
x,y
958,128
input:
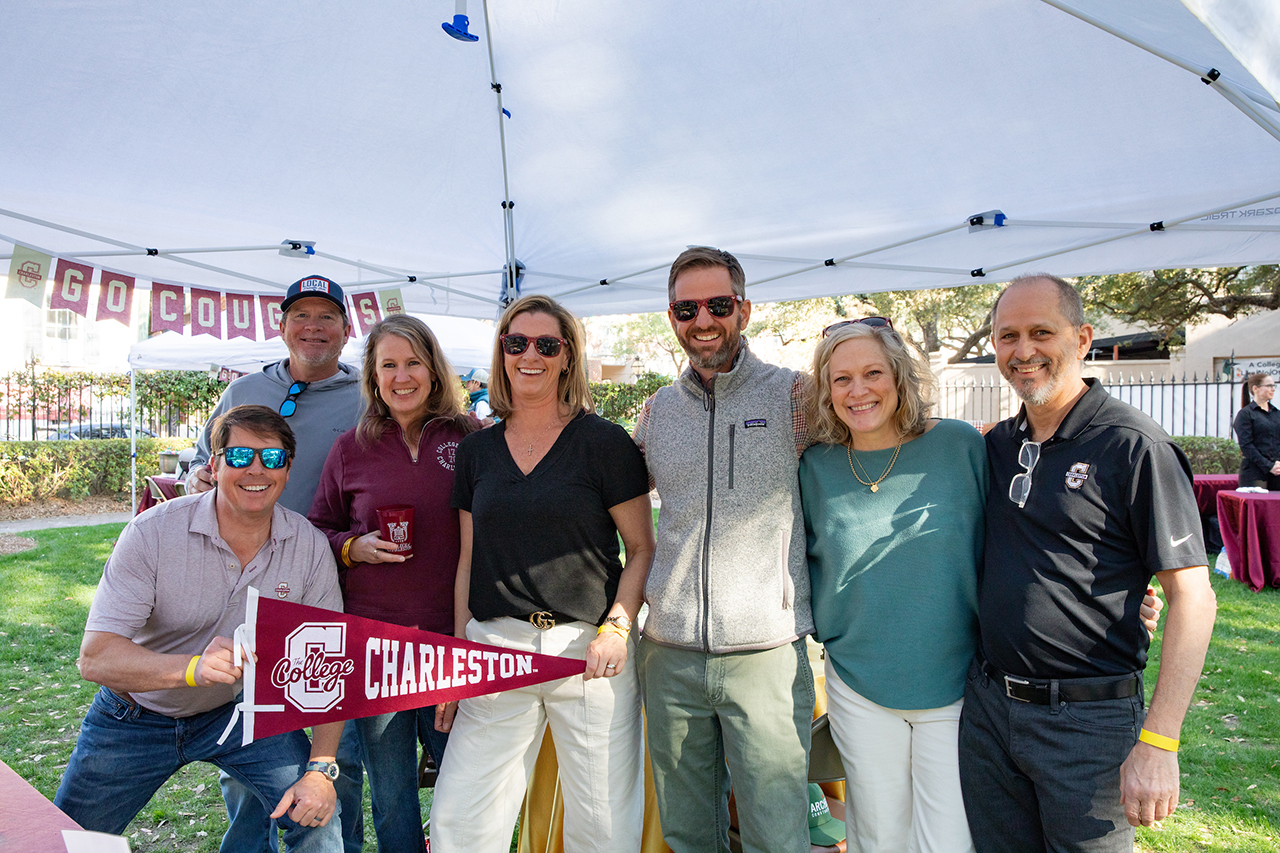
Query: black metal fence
x,y
97,409
1181,406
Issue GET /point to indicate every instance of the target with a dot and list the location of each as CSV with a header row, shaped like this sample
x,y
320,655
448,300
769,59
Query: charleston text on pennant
x,y
319,666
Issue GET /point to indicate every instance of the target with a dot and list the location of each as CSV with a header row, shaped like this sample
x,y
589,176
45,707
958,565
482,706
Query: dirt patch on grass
x,y
92,505
10,544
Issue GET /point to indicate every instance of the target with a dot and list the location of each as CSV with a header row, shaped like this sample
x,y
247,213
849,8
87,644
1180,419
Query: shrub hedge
x,y
1210,455
621,403
36,470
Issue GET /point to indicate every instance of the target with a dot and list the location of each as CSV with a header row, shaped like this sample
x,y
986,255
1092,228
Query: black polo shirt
x,y
1063,577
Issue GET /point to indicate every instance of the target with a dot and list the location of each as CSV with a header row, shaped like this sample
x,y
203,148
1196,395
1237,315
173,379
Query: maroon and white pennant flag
x,y
367,310
206,312
242,320
168,305
115,297
321,666
71,287
272,316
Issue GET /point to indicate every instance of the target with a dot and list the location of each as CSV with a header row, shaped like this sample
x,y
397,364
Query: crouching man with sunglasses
x,y
1089,499
320,398
158,640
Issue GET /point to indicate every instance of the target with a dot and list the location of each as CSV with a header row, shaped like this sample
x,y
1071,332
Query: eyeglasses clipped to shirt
x,y
1020,486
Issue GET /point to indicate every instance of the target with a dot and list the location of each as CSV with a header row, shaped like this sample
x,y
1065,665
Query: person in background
x,y
402,452
893,504
477,382
1257,427
157,640
543,496
1089,499
320,398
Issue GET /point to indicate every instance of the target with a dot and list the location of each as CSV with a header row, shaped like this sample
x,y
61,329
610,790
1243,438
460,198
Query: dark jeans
x,y
125,753
252,831
1042,777
389,743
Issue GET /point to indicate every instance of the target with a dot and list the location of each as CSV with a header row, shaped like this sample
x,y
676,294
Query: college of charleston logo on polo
x,y
1077,474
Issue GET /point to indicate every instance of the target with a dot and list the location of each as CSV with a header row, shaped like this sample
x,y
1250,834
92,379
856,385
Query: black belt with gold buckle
x,y
544,619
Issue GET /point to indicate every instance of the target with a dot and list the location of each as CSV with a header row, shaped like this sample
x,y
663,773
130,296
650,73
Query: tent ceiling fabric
x,y
787,133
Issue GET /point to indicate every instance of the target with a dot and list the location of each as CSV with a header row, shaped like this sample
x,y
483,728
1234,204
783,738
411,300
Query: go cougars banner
x,y
319,666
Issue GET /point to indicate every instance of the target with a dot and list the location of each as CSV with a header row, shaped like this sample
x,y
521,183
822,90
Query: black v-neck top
x,y
545,540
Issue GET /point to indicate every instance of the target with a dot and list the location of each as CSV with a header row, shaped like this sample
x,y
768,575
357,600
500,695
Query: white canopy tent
x,y
835,146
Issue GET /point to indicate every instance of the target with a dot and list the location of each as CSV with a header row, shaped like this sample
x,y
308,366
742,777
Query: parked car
x,y
86,431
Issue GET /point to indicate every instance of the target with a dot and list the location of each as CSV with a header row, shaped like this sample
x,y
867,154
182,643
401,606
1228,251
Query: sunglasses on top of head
x,y
547,346
873,322
685,310
242,457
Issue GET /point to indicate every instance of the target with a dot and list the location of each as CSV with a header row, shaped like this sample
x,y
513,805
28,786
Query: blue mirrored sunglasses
x,y
290,404
242,457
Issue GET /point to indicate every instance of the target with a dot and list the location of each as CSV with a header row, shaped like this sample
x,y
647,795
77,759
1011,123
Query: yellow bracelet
x,y
1158,741
191,671
346,553
610,627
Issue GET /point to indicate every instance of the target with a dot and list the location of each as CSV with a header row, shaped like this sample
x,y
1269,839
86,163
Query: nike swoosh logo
x,y
1176,542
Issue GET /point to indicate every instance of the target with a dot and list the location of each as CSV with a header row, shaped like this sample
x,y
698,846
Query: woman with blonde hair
x,y
400,453
894,506
543,496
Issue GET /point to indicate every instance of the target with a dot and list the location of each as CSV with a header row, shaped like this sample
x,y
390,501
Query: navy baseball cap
x,y
315,285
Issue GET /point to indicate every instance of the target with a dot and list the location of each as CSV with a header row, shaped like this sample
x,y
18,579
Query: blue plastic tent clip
x,y
458,29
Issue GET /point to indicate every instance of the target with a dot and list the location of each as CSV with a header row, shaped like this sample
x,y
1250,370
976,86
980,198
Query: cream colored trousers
x,y
598,734
903,785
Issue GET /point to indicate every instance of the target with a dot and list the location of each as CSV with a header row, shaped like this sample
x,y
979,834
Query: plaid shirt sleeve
x,y
641,432
800,413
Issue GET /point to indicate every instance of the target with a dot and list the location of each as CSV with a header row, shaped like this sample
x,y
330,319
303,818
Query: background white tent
x,y
862,133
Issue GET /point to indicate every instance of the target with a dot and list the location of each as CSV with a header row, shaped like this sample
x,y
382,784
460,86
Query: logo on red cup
x,y
395,524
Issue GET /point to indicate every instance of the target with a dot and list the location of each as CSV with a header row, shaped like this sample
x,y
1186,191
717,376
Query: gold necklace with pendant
x,y
875,486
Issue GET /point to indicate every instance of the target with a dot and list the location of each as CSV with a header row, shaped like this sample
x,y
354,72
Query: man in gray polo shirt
x,y
157,640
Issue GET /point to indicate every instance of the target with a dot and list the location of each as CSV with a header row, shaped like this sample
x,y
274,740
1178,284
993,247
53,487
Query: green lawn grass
x,y
1230,741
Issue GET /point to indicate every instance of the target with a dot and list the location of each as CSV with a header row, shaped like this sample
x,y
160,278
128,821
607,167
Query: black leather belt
x,y
1041,691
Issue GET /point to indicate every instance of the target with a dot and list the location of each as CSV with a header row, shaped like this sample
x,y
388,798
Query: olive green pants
x,y
751,711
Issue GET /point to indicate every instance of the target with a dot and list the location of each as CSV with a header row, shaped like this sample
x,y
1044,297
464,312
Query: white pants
x,y
903,768
495,741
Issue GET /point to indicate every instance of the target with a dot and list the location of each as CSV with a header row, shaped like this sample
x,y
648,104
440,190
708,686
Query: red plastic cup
x,y
396,525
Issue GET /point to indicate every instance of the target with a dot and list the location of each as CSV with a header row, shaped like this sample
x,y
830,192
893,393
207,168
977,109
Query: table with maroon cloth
x,y
29,823
168,487
1251,536
1207,486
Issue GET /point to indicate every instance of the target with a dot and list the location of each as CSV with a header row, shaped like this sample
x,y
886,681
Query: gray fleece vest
x,y
730,572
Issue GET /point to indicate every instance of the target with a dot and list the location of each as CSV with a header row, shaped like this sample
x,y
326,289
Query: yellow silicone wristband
x,y
1158,741
346,553
609,626
191,671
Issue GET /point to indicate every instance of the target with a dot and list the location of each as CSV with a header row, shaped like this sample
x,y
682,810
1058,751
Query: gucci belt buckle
x,y
1009,683
542,620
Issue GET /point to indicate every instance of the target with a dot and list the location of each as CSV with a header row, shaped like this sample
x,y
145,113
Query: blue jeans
x,y
389,743
1045,777
125,753
751,711
252,831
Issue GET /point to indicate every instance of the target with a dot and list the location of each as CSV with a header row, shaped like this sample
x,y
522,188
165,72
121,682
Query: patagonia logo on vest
x,y
1076,476
754,422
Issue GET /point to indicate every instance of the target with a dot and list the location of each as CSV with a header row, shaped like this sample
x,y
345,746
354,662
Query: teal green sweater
x,y
894,573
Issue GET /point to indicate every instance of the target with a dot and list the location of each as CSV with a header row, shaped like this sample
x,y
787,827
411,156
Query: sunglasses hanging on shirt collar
x,y
290,404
